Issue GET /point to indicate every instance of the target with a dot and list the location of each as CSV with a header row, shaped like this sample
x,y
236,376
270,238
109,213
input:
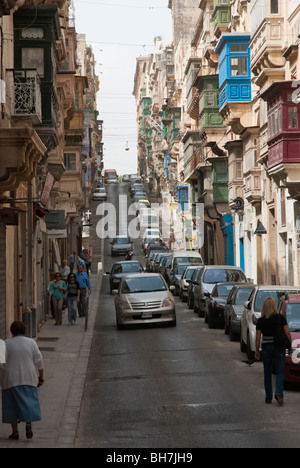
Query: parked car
x,y
120,269
182,256
125,178
190,291
183,283
150,235
121,245
142,203
142,299
289,307
100,194
157,261
252,312
148,220
153,250
234,309
176,276
208,277
164,266
216,304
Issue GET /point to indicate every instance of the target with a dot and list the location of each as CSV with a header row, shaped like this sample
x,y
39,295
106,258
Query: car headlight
x,y
167,302
125,305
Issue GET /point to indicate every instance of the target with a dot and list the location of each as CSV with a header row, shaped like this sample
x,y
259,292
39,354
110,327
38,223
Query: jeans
x,y
82,303
270,354
72,309
57,306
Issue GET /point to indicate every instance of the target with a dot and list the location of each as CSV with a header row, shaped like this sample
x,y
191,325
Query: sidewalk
x,y
66,353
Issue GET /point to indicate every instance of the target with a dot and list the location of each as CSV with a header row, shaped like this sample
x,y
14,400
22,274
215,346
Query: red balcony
x,y
283,122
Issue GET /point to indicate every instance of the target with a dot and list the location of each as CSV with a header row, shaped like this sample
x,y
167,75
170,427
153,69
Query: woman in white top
x,y
20,377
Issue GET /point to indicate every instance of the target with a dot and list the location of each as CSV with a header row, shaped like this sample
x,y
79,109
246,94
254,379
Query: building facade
x,y
231,127
41,182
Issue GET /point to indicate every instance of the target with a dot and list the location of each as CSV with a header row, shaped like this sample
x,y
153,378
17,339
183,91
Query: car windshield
x,y
122,240
292,314
262,295
216,275
242,295
189,273
102,190
143,284
222,290
127,267
190,260
180,268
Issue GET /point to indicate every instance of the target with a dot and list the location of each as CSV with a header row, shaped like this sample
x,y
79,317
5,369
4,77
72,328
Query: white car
x,y
148,236
183,284
100,194
252,312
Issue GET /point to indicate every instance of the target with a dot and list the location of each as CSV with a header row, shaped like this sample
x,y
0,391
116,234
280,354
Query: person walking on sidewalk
x,y
19,379
84,284
73,298
271,354
56,294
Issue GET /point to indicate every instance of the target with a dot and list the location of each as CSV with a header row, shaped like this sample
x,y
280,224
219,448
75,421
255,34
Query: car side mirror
x,y
115,292
247,305
172,288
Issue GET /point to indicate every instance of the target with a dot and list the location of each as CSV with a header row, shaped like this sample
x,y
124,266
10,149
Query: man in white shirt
x,y
65,270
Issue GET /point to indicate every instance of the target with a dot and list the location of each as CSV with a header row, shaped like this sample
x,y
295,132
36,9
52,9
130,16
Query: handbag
x,y
281,341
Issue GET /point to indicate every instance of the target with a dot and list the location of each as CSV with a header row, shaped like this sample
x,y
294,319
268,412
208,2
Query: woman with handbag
x,y
268,327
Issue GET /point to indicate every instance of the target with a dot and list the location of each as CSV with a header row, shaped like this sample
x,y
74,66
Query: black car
x,y
234,309
190,291
120,269
216,304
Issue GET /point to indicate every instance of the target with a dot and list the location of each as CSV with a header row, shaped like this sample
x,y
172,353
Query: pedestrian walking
x,y
56,294
129,255
65,270
20,376
72,260
73,298
271,354
84,284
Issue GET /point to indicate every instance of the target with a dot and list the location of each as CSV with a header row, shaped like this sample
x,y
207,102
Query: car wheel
x,y
250,353
190,303
232,336
211,322
243,346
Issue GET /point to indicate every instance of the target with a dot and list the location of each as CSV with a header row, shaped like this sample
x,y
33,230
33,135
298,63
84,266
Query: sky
x,y
119,31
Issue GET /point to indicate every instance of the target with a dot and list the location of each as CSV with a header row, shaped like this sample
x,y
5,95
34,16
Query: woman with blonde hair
x,y
265,332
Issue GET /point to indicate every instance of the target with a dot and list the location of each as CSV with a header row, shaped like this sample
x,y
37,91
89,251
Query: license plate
x,y
146,314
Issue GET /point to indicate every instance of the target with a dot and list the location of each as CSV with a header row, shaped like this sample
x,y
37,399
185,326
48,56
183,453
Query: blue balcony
x,y
234,68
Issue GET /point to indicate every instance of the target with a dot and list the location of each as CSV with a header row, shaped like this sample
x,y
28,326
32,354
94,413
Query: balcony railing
x,y
24,91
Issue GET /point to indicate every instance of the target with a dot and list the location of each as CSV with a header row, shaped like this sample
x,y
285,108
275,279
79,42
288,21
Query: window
x,y
33,58
70,161
238,66
239,173
238,48
293,117
274,7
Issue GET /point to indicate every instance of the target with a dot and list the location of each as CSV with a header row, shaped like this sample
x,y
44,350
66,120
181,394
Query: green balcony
x,y
221,16
209,102
220,179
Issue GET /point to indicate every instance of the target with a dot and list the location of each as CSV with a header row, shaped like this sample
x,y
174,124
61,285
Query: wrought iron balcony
x,y
24,92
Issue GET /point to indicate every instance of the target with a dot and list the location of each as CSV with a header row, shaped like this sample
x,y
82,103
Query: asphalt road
x,y
175,387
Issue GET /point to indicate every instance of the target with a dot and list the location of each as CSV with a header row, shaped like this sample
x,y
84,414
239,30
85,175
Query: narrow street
x,y
184,386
